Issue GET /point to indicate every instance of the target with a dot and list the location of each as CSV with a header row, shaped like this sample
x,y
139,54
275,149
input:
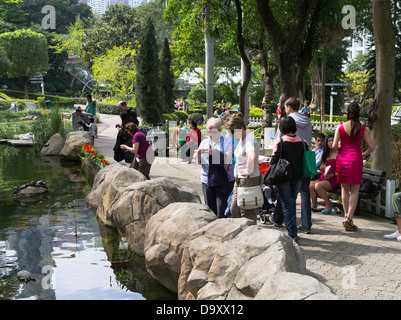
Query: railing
x,y
388,190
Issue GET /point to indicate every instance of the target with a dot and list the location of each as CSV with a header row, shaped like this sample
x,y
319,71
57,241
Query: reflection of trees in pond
x,y
130,269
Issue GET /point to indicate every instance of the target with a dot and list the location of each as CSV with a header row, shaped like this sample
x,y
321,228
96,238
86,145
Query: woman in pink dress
x,y
348,138
328,180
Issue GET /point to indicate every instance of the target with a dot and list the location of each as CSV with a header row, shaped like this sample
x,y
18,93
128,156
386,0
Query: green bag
x,y
309,163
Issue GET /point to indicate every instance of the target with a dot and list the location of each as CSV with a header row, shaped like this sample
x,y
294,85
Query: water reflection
x,y
70,254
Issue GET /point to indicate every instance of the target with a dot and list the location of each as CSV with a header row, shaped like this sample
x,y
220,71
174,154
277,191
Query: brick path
x,y
358,265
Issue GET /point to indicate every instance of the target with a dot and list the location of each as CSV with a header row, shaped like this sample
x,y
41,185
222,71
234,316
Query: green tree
x,y
147,91
27,52
65,10
116,69
166,76
119,26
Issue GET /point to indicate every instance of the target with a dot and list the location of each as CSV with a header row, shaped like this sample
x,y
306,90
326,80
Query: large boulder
x,y
73,145
108,182
224,259
163,250
54,146
294,286
138,202
124,199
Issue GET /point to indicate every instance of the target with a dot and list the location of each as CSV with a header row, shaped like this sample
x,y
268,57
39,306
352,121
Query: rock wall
x,y
124,199
191,252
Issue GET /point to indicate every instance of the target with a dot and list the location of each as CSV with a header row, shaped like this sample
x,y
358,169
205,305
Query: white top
x,y
250,143
92,127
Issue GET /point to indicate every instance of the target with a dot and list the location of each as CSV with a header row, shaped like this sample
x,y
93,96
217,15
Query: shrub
x,y
21,105
197,117
255,112
41,101
169,117
198,94
107,108
181,115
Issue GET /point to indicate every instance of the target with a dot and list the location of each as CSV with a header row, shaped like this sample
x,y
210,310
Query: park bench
x,y
377,178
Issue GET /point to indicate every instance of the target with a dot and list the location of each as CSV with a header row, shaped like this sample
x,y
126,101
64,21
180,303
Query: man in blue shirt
x,y
319,141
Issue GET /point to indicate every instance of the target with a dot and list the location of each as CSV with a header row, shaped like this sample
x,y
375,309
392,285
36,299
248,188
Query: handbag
x,y
309,162
250,197
279,172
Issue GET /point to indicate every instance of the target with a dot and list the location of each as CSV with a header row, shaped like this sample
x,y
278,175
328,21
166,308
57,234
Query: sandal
x,y
349,226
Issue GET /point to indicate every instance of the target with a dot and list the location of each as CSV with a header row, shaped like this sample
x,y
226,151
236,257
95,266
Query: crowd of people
x,y
230,161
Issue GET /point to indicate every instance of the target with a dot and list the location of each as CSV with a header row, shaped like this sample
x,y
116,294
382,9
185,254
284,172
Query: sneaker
x,y
296,240
399,238
303,230
394,235
272,221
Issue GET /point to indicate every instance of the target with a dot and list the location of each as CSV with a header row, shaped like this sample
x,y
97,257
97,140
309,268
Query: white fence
x,y
327,125
386,193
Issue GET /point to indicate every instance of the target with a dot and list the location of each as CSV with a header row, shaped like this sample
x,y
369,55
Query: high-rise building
x,y
100,6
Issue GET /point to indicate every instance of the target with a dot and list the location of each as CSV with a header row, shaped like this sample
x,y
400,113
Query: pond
x,y
69,253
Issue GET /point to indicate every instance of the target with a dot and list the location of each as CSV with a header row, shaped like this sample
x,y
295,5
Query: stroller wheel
x,y
263,218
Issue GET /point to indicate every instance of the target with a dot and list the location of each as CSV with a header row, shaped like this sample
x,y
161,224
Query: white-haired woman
x,y
217,174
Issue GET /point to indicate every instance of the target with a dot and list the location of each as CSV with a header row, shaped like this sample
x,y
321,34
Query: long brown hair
x,y
353,115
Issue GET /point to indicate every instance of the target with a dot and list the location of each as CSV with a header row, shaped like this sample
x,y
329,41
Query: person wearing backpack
x,y
122,105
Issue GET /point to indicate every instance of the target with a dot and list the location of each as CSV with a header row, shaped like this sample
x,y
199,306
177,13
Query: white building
x,y
100,6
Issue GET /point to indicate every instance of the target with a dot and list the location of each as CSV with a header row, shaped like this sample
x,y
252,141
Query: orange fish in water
x,y
20,228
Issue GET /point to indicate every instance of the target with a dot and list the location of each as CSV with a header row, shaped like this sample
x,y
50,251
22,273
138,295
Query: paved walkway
x,y
358,265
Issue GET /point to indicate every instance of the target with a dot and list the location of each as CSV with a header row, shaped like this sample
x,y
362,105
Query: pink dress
x,y
349,158
332,170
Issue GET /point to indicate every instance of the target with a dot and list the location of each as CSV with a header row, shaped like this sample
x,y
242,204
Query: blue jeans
x,y
306,210
288,195
227,213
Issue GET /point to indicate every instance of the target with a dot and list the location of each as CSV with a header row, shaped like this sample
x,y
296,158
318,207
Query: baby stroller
x,y
269,195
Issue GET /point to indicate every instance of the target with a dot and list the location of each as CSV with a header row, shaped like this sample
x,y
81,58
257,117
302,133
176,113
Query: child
x,y
82,126
92,129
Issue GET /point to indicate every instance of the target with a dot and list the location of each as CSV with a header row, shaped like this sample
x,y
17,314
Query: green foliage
x,y
198,94
169,117
147,90
116,69
56,122
41,102
107,108
197,117
181,115
41,131
255,112
117,27
18,46
166,76
21,105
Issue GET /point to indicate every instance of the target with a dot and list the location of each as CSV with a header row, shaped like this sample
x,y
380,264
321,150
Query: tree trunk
x,y
380,111
245,65
286,45
26,81
287,76
244,92
267,77
315,78
209,66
